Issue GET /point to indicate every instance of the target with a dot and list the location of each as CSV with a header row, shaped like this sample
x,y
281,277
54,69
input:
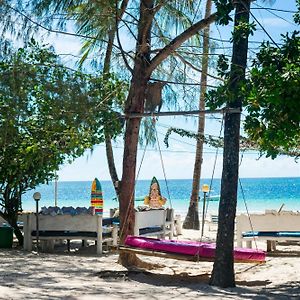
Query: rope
x,y
214,168
138,173
246,206
162,164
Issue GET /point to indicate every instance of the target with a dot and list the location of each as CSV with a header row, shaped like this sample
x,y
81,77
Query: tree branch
x,y
178,41
119,42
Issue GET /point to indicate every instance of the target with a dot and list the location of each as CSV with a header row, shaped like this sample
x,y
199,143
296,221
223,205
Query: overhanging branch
x,y
178,41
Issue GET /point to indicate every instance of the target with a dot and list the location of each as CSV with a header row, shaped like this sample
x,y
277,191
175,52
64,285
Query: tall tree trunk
x,y
108,144
134,104
111,163
106,70
142,71
223,269
192,218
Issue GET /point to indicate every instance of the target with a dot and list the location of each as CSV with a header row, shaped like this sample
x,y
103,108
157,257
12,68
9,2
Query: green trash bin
x,y
6,237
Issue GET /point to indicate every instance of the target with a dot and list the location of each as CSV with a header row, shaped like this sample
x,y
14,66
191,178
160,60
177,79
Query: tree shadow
x,y
56,276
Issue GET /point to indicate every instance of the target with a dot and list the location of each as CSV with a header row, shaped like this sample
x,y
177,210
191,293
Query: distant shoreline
x,y
258,193
161,179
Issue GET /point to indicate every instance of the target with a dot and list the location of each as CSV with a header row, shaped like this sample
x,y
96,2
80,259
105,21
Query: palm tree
x,y
143,65
100,21
192,218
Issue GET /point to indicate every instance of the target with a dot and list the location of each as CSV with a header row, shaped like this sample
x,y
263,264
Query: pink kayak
x,y
193,248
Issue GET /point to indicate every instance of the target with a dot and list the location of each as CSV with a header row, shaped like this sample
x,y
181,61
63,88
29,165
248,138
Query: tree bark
x,y
223,269
142,71
192,218
179,40
134,104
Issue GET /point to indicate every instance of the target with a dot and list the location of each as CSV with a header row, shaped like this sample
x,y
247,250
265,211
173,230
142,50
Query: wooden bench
x,y
270,226
154,222
68,227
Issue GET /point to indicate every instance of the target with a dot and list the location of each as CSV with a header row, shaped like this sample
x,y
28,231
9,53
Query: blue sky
x,y
178,159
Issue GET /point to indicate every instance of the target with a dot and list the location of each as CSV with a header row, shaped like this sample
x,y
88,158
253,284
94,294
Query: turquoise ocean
x,y
259,194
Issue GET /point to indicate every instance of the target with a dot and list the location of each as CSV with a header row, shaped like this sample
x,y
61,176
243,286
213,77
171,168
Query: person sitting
x,y
155,199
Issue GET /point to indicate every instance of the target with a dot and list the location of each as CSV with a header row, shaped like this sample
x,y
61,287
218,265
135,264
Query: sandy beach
x,y
81,274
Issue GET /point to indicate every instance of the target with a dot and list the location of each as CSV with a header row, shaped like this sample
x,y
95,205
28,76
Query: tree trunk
x,y
223,269
111,163
108,144
134,104
10,213
192,218
106,70
17,232
142,71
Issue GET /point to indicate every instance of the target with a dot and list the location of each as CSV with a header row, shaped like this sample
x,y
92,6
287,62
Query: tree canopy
x,y
49,115
273,118
271,97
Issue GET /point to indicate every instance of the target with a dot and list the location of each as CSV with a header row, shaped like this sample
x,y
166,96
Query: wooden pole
x,y
181,113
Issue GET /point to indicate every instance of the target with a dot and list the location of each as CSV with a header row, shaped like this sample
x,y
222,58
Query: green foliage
x,y
224,8
213,141
243,30
273,101
207,139
223,66
246,143
49,115
271,97
297,15
147,135
225,93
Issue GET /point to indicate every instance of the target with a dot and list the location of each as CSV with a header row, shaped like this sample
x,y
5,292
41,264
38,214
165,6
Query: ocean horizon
x,y
254,194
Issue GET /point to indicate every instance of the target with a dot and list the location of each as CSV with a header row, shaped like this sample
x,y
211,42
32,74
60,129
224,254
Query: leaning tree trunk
x,y
134,104
106,70
108,144
223,269
192,218
141,73
111,163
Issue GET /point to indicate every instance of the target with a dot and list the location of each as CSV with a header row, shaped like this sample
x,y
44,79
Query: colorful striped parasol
x,y
97,197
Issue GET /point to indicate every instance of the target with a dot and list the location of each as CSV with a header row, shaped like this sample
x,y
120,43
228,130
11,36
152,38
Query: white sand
x,y
81,274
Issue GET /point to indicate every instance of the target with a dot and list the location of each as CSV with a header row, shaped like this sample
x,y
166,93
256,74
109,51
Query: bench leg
x,y
178,225
248,244
271,246
115,235
47,245
84,243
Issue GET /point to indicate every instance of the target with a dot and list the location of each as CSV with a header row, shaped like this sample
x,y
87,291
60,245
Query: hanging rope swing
x,y
180,250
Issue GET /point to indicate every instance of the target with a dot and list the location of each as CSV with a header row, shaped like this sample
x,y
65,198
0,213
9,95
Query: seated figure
x,y
154,200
